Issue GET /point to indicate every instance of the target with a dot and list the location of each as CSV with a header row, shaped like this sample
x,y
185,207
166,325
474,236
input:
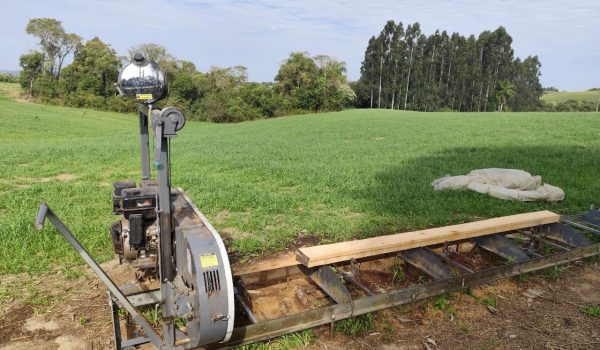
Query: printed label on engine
x,y
209,261
143,96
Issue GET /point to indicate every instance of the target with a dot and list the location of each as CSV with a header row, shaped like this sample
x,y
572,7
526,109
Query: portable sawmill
x,y
160,232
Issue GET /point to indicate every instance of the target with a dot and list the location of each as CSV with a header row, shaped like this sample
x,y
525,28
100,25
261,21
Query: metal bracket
x,y
592,217
566,234
331,284
426,261
501,246
45,212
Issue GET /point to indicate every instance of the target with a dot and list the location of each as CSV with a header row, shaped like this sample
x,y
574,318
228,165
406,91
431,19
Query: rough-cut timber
x,y
343,251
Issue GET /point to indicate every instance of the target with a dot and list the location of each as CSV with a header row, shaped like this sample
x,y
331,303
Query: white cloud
x,y
261,33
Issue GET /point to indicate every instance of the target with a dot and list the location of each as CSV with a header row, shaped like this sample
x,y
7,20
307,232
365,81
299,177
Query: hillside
x,y
563,96
271,184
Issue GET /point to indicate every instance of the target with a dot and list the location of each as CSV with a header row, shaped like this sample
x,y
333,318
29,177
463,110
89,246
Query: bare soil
x,y
61,310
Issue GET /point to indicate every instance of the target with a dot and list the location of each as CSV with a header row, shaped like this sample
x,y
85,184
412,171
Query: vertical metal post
x,y
332,327
114,309
166,263
144,141
161,164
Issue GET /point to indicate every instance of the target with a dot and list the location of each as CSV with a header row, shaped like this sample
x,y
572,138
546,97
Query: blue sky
x,y
259,34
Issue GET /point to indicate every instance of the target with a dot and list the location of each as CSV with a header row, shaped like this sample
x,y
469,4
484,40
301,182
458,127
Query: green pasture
x,y
268,185
564,96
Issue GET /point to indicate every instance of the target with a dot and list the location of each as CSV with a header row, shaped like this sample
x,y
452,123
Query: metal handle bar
x,y
45,212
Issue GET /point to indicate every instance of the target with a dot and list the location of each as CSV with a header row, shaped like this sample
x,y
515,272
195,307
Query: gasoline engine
x,y
161,230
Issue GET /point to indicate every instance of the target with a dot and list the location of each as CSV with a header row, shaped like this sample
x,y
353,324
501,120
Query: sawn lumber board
x,y
343,251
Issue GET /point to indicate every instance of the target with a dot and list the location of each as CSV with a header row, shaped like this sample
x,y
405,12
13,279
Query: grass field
x,y
563,96
268,184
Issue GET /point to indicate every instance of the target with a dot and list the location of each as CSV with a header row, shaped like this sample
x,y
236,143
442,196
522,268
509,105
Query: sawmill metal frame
x,y
570,246
313,318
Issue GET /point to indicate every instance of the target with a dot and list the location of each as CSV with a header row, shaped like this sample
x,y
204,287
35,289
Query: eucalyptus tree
x,y
413,32
55,43
403,68
368,70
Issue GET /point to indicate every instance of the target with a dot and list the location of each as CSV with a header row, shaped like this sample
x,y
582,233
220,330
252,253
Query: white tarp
x,y
504,184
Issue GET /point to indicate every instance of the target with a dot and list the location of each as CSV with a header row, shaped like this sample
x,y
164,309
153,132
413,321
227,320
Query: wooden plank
x,y
269,263
343,251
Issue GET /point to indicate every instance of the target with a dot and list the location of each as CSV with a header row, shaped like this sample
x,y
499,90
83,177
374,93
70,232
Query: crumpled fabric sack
x,y
509,184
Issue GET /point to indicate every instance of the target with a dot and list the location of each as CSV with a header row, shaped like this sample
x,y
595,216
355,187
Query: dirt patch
x,y
59,343
222,215
477,259
26,182
12,321
19,96
303,239
288,298
65,177
39,324
551,321
233,233
585,288
53,311
323,210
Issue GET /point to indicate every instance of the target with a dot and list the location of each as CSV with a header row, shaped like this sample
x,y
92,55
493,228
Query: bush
x,y
120,104
44,87
8,78
568,106
85,100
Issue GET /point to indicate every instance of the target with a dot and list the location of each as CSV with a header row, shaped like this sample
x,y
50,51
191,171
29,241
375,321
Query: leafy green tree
x,y
222,101
314,84
94,70
152,52
31,66
332,91
297,80
262,99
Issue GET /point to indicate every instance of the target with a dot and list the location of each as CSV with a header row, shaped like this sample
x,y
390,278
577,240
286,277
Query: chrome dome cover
x,y
142,80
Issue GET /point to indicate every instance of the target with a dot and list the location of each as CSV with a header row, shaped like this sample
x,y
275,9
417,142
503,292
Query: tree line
x,y
402,69
223,94
405,69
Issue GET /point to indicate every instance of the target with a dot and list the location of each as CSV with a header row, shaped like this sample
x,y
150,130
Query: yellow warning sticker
x,y
143,96
209,261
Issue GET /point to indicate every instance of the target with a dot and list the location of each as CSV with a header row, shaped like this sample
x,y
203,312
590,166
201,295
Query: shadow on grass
x,y
403,198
